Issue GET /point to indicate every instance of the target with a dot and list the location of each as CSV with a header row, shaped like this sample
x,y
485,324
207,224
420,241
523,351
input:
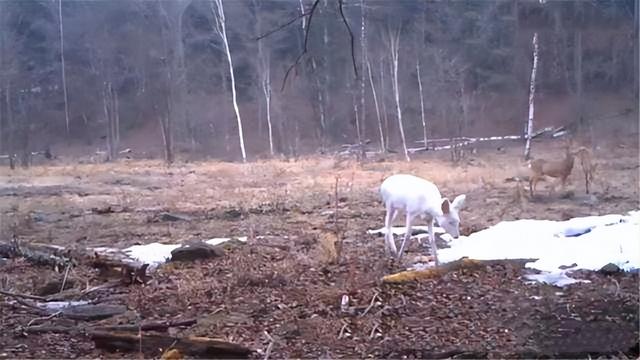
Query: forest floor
x,y
282,281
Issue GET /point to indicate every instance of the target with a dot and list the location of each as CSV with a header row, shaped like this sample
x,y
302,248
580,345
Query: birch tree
x,y
217,10
363,53
375,100
64,76
265,82
424,123
394,48
532,92
383,100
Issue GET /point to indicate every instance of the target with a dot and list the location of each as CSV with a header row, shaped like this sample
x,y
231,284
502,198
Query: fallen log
x,y
151,326
197,250
156,344
461,264
118,264
38,254
91,312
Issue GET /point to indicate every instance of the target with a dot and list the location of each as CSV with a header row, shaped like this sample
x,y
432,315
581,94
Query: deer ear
x,y
445,206
458,202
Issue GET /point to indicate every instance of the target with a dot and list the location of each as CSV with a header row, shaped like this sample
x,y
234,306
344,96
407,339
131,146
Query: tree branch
x,y
344,19
306,41
280,27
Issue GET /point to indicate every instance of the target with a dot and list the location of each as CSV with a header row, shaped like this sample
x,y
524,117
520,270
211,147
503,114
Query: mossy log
x,y
461,264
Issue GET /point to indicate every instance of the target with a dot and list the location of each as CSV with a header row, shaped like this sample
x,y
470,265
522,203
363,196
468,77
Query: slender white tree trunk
x,y
532,92
363,53
394,42
375,101
264,62
424,122
383,100
218,12
266,89
64,76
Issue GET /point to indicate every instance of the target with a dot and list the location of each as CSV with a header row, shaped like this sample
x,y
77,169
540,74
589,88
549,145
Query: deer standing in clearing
x,y
559,168
418,197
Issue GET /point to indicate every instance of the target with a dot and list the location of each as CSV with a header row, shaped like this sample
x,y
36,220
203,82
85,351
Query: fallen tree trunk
x,y
156,344
90,312
151,326
461,264
38,254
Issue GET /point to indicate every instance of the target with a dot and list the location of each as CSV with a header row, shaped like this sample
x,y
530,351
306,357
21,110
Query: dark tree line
x,y
158,71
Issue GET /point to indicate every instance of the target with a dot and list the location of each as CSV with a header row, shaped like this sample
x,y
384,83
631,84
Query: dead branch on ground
x,y
461,264
155,344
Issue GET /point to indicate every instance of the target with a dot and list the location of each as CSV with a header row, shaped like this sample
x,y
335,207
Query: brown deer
x,y
560,168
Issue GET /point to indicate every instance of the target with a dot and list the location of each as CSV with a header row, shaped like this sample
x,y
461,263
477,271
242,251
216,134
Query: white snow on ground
x,y
153,254
156,254
588,242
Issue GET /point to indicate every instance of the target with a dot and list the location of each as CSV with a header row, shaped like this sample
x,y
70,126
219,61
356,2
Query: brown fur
x,y
560,168
588,167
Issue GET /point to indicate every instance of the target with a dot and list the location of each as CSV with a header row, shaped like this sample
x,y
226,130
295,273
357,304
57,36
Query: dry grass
x,y
293,194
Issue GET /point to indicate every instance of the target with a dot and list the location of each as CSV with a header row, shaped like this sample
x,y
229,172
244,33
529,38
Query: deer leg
x,y
407,235
531,186
534,180
389,243
586,181
432,241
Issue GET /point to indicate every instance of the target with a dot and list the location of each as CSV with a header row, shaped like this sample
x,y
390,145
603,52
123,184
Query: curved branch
x,y
306,41
344,19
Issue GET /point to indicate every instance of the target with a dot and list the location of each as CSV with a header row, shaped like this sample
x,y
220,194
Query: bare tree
x,y
112,117
375,100
64,76
265,73
363,55
320,90
172,13
532,92
220,27
424,123
636,53
394,48
383,99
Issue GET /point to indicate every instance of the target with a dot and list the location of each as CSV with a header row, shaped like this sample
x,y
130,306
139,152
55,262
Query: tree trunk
x,y
636,65
264,63
375,100
266,89
321,105
532,91
363,53
218,12
10,126
424,123
64,76
319,87
394,42
383,99
107,119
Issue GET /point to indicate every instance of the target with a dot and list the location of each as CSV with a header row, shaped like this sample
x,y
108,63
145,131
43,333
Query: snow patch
x,y
153,254
156,254
588,242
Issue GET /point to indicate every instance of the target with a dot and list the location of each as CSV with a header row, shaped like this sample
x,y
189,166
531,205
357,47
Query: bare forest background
x,y
154,76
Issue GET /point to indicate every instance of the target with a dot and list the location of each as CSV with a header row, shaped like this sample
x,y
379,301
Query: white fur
x,y
418,197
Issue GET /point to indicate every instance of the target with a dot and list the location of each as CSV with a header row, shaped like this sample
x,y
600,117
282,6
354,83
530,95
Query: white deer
x,y
418,197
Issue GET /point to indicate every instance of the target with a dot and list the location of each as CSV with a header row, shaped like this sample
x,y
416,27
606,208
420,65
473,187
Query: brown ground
x,y
295,295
